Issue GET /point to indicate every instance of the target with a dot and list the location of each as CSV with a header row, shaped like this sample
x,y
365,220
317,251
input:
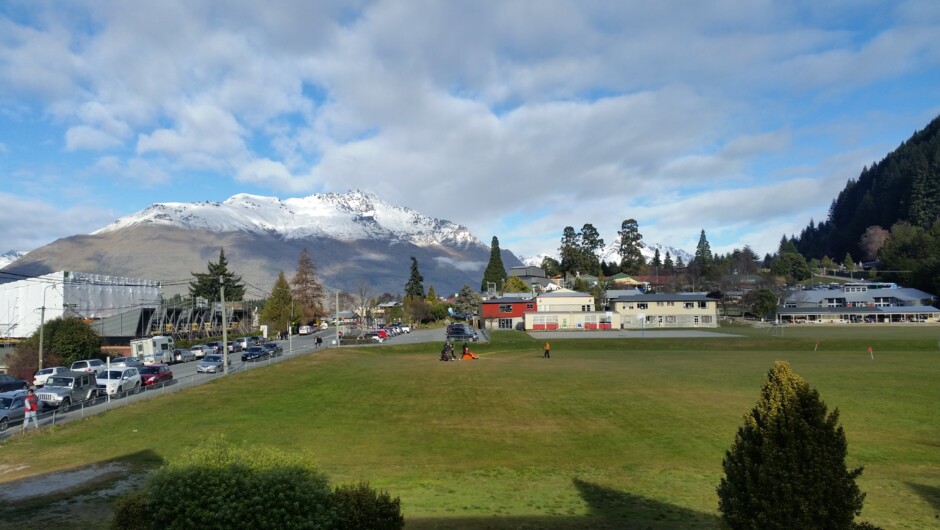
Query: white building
x,y
65,293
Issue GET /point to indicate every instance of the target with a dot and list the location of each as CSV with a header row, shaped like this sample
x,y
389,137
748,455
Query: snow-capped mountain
x,y
9,257
355,239
355,215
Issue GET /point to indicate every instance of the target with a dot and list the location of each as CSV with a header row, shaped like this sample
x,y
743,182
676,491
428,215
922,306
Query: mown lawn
x,y
606,433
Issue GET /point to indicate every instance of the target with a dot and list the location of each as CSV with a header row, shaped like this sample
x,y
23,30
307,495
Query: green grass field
x,y
606,433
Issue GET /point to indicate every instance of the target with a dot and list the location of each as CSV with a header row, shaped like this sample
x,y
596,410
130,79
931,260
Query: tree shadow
x,y
608,509
931,494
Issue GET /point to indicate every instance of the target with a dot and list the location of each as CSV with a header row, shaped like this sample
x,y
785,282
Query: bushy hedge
x,y
219,485
358,506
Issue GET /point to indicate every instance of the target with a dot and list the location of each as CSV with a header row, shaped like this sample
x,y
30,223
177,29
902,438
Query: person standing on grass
x,y
31,407
547,353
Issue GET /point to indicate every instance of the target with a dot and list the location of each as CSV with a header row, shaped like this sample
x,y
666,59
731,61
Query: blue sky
x,y
743,118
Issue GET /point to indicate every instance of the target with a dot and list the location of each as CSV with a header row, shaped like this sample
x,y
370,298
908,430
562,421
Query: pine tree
x,y
415,287
569,250
277,309
307,290
206,285
668,264
657,261
703,252
495,271
590,243
631,241
786,468
432,296
467,300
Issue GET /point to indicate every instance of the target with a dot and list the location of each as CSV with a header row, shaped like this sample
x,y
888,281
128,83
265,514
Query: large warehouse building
x,y
26,303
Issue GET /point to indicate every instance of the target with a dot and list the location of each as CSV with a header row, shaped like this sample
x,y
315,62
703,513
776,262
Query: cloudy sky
x,y
740,117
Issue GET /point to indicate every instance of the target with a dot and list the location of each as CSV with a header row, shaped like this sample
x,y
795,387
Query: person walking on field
x,y
31,407
547,353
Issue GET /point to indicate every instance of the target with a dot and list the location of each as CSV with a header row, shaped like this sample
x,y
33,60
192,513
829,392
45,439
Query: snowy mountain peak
x,y
610,255
345,216
10,256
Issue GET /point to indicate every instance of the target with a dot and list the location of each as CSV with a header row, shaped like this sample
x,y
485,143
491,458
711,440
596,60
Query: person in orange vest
x,y
31,408
547,353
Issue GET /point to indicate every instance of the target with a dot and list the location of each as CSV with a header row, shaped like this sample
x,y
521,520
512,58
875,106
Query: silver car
x,y
211,364
12,408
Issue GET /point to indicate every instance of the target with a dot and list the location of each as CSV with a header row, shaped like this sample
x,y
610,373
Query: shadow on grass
x,y
607,509
931,494
75,498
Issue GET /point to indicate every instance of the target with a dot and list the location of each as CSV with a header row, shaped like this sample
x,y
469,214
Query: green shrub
x,y
359,507
132,512
222,486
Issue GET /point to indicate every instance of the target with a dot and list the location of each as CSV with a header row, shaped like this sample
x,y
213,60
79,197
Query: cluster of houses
x,y
551,307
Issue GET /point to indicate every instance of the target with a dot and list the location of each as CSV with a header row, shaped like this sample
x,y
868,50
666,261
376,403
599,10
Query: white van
x,y
305,330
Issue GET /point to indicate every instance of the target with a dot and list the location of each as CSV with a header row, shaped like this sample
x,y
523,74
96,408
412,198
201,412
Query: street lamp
x,y
42,321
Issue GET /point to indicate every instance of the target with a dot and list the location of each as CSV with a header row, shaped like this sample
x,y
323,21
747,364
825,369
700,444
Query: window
x,y
670,304
642,305
706,319
585,308
689,305
703,305
530,306
505,323
505,308
670,319
660,304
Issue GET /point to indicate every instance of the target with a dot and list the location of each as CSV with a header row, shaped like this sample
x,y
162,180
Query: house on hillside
x,y
676,310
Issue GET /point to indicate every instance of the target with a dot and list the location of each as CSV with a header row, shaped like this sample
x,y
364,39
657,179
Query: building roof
x,y
817,296
563,293
665,297
509,300
857,310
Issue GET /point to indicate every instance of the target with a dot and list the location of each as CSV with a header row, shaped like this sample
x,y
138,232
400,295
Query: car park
x,y
154,374
12,408
88,365
125,362
211,364
117,381
40,378
63,390
255,353
9,383
183,355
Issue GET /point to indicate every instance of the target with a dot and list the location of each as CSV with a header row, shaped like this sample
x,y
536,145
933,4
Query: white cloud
x,y
84,137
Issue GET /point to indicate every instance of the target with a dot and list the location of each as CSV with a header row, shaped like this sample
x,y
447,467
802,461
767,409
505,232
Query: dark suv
x,y
461,333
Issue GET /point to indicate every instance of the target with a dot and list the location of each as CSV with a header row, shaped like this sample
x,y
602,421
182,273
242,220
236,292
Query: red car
x,y
155,373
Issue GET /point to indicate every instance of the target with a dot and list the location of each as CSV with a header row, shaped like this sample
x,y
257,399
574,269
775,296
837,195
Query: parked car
x,y
153,374
125,362
461,337
199,350
213,347
88,365
62,390
12,407
183,355
371,335
40,378
234,346
273,348
405,327
8,383
211,364
116,382
255,353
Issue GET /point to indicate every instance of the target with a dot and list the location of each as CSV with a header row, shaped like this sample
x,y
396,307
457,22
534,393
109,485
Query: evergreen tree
x,y
307,291
590,244
848,262
415,287
668,264
206,285
679,263
786,468
467,300
277,309
703,252
495,271
550,266
515,285
631,242
657,261
569,250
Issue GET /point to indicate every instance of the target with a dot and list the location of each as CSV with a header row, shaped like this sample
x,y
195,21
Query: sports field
x,y
607,433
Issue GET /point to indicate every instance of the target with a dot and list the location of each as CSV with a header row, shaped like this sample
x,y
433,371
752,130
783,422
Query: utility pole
x,y
290,330
42,324
339,340
224,326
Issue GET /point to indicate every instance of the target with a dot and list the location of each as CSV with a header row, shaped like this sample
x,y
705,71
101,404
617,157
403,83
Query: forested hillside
x,y
905,186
